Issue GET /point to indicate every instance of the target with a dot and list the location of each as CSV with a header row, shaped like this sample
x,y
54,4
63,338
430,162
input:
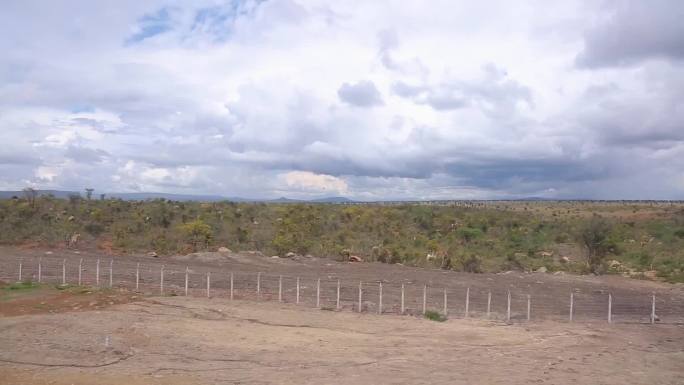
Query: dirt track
x,y
201,341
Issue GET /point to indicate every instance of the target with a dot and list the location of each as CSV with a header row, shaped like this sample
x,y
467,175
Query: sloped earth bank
x,y
549,293
174,340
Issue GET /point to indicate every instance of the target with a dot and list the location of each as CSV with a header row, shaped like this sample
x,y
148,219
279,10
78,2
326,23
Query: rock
x,y
541,269
559,273
48,252
355,258
546,253
613,264
223,249
651,274
71,218
565,260
152,254
290,255
519,255
275,256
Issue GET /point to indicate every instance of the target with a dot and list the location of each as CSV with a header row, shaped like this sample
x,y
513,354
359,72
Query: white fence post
x,y
258,285
80,270
424,299
111,272
467,303
337,303
186,280
21,262
508,310
137,276
380,299
280,289
489,304
318,293
97,273
529,305
64,272
40,270
161,281
297,300
360,295
402,299
208,284
610,308
231,285
653,315
446,301
572,305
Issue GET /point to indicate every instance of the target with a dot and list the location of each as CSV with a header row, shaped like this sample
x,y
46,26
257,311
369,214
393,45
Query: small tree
x,y
595,237
89,193
30,193
197,233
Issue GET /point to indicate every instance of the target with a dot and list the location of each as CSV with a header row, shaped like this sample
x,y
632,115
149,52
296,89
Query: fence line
x,y
344,294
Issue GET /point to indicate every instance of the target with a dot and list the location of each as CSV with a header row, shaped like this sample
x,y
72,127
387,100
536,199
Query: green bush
x,y
435,316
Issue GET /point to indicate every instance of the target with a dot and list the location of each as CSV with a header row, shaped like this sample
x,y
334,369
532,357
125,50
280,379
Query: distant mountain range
x,y
217,198
173,197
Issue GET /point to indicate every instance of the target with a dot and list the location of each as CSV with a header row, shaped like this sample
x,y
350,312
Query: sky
x,y
364,99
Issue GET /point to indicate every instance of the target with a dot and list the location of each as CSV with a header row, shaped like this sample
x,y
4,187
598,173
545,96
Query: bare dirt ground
x,y
174,340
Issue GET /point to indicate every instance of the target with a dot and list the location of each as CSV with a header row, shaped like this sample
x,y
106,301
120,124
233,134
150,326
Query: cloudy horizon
x,y
367,100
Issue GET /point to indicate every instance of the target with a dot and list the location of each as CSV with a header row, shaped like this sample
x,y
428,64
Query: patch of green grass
x,y
20,286
435,316
75,289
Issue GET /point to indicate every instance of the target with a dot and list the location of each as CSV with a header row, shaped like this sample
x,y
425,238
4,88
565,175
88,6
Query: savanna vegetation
x,y
580,237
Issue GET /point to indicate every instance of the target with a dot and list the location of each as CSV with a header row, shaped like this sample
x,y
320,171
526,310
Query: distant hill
x,y
173,197
56,193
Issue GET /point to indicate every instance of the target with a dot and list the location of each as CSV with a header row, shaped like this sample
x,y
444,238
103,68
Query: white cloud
x,y
315,183
469,99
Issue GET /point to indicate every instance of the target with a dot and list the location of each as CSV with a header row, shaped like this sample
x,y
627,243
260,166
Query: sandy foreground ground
x,y
174,340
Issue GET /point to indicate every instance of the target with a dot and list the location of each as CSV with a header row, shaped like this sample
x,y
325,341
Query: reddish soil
x,y
48,299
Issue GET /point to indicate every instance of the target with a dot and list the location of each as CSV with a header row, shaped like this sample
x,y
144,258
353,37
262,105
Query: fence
x,y
340,293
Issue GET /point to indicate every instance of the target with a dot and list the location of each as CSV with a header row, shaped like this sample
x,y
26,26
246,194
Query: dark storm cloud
x,y
360,94
635,30
617,117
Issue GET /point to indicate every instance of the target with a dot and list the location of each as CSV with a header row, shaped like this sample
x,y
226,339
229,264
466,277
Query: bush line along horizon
x,y
573,237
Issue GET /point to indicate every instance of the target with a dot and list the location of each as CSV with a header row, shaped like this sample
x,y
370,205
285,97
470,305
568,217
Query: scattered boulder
x,y
651,274
152,254
613,264
355,258
565,259
71,218
290,255
546,253
73,240
275,257
541,269
223,249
